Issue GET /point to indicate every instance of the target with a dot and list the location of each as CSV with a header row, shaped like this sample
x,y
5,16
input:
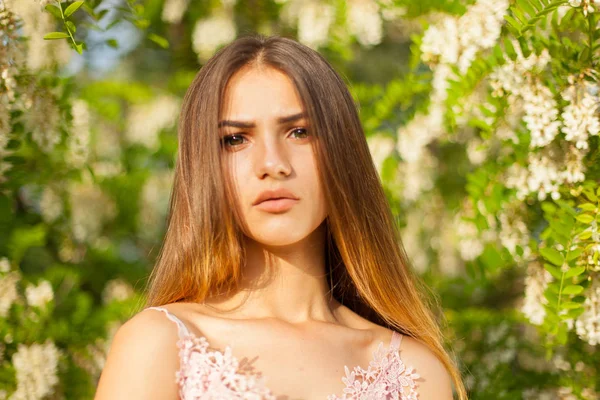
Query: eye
x,y
302,131
225,140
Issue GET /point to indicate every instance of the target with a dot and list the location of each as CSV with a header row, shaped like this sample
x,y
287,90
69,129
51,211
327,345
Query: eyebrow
x,y
244,124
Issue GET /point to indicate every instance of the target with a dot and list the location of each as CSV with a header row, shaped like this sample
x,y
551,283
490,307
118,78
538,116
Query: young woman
x,y
282,274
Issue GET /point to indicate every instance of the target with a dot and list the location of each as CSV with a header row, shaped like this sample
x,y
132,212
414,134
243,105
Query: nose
x,y
272,157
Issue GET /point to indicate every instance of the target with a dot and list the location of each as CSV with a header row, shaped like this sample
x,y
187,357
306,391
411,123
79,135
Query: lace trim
x,y
386,377
222,375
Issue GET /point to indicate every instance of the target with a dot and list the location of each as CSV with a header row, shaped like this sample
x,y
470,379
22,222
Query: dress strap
x,y
182,329
396,340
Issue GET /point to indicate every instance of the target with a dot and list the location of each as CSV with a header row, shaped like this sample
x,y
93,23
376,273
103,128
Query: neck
x,y
284,282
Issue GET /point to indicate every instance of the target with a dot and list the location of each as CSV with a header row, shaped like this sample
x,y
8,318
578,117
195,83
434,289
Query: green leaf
x,y
527,7
590,195
585,235
576,271
574,313
56,35
552,255
554,271
585,218
514,23
574,254
509,49
159,40
71,26
72,8
524,47
55,11
588,207
79,48
569,305
572,289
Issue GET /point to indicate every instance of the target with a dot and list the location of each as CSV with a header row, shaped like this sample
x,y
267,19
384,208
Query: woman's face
x,y
263,150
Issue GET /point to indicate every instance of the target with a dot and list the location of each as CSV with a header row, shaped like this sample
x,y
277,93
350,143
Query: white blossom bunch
x,y
90,207
212,32
580,117
587,325
36,369
546,171
145,121
116,290
39,295
536,282
364,22
173,10
314,20
457,40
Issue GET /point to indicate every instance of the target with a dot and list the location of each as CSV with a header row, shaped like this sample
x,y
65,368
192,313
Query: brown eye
x,y
226,140
302,131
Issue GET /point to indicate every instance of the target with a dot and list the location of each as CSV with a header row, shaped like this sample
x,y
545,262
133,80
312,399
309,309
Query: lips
x,y
276,205
275,195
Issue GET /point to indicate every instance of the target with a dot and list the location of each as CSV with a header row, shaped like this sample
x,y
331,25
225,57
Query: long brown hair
x,y
366,264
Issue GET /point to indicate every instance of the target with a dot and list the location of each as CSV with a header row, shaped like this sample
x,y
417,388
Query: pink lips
x,y
276,205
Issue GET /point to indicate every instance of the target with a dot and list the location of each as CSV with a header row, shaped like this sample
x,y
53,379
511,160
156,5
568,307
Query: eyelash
x,y
224,139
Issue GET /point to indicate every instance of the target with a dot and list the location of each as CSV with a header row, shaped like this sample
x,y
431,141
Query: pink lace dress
x,y
207,373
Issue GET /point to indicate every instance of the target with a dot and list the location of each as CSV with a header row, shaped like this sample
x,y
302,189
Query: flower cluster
x,y
580,117
536,281
546,171
587,6
40,295
145,121
36,369
587,325
457,40
212,32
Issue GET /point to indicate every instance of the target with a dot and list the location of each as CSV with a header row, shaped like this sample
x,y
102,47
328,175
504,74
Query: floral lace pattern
x,y
206,373
386,378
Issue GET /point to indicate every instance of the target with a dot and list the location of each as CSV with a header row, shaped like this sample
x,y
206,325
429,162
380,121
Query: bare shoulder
x,y
435,381
142,359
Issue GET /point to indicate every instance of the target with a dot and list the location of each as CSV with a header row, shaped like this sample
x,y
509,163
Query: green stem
x,y
65,23
562,277
591,27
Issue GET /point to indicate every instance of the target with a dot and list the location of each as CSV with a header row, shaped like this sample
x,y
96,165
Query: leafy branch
x,y
70,28
527,13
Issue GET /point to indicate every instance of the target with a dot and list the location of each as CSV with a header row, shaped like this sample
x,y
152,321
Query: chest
x,y
285,370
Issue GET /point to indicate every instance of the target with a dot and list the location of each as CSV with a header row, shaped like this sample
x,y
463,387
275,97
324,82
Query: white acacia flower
x,y
90,208
145,121
536,281
116,290
314,21
211,33
51,205
541,114
580,117
173,10
42,119
79,137
40,295
8,291
457,40
364,21
587,324
36,370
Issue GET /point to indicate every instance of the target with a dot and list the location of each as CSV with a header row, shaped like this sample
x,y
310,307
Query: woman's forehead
x,y
264,92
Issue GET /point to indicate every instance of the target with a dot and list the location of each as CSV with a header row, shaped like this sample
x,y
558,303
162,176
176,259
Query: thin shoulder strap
x,y
396,340
182,329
